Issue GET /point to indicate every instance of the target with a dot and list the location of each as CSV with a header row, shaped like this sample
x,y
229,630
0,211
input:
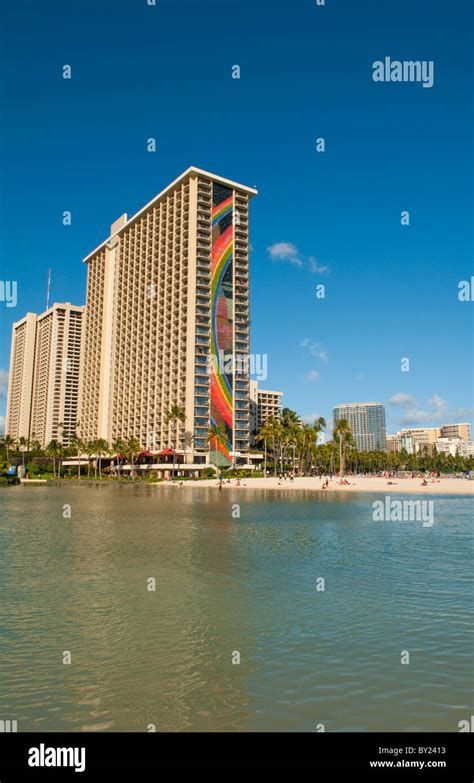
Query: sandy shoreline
x,y
444,486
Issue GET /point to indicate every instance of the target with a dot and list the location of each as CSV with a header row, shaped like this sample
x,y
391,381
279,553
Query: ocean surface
x,y
319,602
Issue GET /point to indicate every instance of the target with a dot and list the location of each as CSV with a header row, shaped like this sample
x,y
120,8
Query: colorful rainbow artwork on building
x,y
222,316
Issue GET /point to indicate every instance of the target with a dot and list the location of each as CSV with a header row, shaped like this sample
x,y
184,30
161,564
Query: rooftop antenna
x,y
48,289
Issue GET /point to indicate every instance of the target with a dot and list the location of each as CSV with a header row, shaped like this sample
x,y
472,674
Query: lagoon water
x,y
223,585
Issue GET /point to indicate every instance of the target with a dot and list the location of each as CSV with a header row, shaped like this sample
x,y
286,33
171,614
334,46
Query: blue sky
x,y
331,218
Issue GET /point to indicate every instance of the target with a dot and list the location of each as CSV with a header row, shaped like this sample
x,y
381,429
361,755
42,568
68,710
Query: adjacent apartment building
x,y
43,386
168,321
264,404
367,420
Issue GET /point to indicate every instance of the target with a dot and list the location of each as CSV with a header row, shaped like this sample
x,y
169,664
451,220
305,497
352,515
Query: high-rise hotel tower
x,y
367,420
43,382
168,320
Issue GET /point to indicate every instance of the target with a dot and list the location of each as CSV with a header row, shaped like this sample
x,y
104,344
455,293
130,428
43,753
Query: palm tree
x,y
218,437
132,449
274,432
319,425
176,413
101,449
89,448
293,438
342,432
23,443
9,443
76,443
264,434
307,440
118,447
53,450
189,443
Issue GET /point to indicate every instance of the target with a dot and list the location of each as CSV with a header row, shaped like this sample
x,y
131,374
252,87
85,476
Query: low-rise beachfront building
x,y
462,431
43,391
455,447
414,440
418,439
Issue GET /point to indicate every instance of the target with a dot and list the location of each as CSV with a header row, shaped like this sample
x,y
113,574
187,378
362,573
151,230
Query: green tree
x,y
119,448
101,449
342,431
132,449
24,445
77,444
9,444
272,432
264,435
189,443
53,450
218,437
175,414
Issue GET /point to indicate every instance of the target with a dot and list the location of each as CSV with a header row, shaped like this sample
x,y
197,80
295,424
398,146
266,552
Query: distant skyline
x,y
331,218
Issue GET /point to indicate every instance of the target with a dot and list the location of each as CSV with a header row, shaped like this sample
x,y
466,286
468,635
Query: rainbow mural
x,y
222,316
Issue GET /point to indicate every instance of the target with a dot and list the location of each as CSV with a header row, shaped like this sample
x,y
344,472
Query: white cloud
x,y
312,375
286,252
3,384
314,349
436,409
317,269
463,414
2,425
403,400
438,406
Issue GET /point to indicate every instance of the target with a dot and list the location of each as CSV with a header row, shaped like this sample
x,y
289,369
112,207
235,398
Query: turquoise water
x,y
227,585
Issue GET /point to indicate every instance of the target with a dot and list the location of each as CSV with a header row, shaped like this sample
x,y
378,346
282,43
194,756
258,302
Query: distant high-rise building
x,y
168,320
264,404
43,389
367,420
20,379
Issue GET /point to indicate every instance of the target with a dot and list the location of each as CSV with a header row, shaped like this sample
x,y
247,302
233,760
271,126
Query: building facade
x,y
20,378
367,420
462,431
432,439
455,447
264,404
168,321
43,392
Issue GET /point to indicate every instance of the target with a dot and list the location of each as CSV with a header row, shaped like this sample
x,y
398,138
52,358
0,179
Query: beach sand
x,y
445,486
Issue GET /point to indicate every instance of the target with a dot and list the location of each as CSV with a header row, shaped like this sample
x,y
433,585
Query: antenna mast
x,y
48,289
